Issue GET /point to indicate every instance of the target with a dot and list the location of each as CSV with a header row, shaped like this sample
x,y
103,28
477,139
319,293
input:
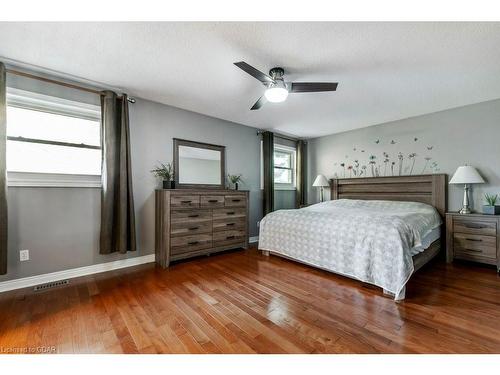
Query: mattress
x,y
371,241
426,241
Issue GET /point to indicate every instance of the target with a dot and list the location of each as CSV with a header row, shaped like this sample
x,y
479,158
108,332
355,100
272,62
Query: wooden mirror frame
x,y
222,149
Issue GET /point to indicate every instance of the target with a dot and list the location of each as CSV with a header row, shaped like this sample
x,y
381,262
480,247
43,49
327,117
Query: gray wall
x,y
284,199
60,226
465,135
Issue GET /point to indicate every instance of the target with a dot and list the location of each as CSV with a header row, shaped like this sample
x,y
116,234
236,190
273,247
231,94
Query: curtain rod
x,y
277,135
60,83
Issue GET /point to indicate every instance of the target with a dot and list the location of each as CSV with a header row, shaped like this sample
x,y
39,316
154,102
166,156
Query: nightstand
x,y
473,237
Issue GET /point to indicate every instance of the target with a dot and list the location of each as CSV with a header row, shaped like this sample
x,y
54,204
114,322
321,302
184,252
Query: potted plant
x,y
491,208
166,173
235,179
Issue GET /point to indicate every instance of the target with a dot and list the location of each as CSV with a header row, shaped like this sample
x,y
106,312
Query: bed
x,y
377,230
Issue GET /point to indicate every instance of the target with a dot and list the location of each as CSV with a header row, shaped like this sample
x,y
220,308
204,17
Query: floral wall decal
x,y
381,163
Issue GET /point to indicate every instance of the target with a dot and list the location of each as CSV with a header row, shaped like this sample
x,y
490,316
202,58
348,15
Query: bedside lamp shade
x,y
321,182
466,175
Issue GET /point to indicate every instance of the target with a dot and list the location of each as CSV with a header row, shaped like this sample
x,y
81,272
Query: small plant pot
x,y
236,186
491,210
169,184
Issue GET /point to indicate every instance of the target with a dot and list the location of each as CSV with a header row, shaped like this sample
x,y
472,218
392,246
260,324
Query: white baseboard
x,y
253,239
74,272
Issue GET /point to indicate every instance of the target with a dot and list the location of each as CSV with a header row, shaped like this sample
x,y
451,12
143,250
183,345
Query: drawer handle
x,y
213,201
185,201
230,213
193,215
236,200
193,243
193,228
474,239
229,237
471,226
230,224
474,250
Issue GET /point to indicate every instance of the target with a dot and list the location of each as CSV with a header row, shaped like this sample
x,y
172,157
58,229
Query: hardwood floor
x,y
243,302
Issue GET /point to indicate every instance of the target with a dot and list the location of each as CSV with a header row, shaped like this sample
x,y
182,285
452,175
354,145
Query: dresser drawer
x,y
224,213
186,244
190,216
185,201
474,226
235,201
190,228
473,245
230,223
212,201
228,237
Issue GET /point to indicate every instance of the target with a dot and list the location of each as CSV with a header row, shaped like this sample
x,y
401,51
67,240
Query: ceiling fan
x,y
277,89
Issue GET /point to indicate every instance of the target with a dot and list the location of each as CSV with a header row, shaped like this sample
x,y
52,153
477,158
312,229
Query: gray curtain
x,y
117,202
301,194
268,156
3,171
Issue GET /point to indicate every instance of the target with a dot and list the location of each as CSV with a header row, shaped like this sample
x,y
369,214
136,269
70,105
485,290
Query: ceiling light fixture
x,y
277,92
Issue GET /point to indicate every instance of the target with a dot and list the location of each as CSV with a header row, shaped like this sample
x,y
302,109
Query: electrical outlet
x,y
258,224
24,255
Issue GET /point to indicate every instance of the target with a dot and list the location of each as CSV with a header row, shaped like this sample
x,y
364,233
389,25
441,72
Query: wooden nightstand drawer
x,y
473,237
466,225
474,245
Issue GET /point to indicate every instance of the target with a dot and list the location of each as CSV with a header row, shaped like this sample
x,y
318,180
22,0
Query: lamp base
x,y
465,205
465,211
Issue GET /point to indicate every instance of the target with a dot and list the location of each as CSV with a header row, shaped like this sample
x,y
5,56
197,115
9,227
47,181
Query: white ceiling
x,y
386,71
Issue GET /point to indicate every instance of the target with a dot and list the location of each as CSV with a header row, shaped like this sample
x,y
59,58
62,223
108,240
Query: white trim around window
x,y
292,151
52,104
26,179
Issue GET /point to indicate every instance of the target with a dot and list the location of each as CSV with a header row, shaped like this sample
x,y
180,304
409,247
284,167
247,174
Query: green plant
x,y
234,178
490,199
164,171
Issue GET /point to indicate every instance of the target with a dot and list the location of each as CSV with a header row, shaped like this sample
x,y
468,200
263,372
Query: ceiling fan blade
x,y
264,78
259,103
313,86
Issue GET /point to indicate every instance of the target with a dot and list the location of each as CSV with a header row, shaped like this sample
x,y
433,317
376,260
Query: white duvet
x,y
366,240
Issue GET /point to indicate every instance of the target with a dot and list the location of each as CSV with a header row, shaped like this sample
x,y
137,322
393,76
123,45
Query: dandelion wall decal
x,y
363,170
427,160
400,159
384,165
412,157
372,164
349,168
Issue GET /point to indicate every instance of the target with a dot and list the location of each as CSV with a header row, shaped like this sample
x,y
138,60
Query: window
x,y
50,139
284,167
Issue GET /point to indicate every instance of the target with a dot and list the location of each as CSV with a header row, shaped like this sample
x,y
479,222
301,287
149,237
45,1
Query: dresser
x,y
191,222
473,237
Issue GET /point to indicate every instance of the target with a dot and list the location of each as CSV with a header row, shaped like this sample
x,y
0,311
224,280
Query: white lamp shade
x,y
466,175
321,181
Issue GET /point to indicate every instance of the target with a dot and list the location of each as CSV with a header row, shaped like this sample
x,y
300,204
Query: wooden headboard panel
x,y
430,189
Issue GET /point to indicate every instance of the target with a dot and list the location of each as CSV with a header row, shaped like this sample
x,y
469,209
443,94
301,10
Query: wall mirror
x,y
199,165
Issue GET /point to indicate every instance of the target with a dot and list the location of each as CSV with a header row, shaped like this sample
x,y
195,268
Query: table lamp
x,y
321,182
466,175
